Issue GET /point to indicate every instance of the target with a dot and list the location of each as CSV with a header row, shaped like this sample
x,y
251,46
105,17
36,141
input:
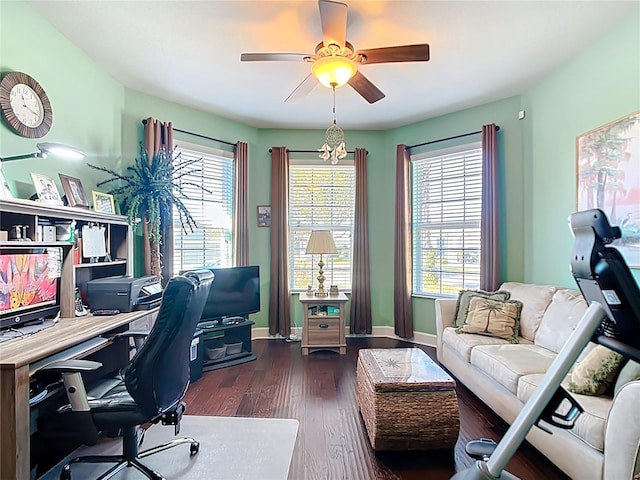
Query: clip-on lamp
x,y
46,148
612,319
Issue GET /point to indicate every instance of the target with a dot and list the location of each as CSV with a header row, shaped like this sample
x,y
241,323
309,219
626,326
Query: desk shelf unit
x,y
118,236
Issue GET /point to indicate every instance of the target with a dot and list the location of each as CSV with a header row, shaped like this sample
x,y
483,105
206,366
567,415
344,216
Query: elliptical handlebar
x,y
603,276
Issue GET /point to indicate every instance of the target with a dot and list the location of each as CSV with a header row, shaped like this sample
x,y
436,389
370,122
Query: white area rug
x,y
231,448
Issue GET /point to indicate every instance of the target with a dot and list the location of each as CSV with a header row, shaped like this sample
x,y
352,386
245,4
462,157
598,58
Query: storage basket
x,y
216,350
233,345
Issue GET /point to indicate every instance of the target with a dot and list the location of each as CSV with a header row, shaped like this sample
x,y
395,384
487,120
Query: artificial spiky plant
x,y
149,190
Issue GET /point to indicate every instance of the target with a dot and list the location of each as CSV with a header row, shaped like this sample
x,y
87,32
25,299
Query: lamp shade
x,y
321,241
333,70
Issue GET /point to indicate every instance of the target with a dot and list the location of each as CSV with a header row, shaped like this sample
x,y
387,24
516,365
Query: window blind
x,y
321,197
211,243
446,208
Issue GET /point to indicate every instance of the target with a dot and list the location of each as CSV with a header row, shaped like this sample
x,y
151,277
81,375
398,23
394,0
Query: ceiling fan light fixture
x,y
334,71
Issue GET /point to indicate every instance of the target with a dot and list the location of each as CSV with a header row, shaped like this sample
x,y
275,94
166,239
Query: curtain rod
x,y
409,147
310,151
144,122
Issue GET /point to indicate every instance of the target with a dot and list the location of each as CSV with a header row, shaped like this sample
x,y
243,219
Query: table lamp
x,y
321,242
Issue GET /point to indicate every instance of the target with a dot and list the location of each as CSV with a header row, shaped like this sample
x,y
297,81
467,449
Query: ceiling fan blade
x,y
303,89
333,16
266,57
400,53
364,87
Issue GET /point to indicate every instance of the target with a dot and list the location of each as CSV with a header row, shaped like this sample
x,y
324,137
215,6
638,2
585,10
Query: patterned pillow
x,y
596,373
494,318
465,296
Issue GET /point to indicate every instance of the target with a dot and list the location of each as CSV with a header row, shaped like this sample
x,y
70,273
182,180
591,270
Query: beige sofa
x,y
605,441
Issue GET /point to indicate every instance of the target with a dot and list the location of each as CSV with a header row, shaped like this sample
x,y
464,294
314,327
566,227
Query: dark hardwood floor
x,y
320,391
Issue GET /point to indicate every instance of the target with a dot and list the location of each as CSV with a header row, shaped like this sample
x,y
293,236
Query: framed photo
x,y
103,202
73,190
46,189
608,178
264,215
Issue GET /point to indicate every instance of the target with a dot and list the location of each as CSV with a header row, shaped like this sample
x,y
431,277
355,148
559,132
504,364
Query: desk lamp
x,y
321,242
46,148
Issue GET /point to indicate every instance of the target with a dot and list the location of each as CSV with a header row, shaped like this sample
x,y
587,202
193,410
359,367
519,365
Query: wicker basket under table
x,y
407,401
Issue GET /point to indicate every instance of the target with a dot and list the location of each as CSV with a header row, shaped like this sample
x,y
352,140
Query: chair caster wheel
x,y
194,448
65,474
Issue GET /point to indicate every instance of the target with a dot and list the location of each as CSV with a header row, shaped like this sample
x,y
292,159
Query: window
x,y
446,207
321,197
211,243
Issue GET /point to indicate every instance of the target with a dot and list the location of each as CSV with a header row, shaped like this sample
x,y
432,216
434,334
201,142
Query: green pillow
x,y
464,298
596,373
629,373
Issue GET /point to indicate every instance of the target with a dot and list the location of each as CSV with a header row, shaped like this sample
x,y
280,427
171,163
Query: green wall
x,y
87,102
594,88
503,113
98,115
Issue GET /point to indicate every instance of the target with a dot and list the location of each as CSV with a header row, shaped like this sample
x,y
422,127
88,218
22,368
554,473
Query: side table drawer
x,y
324,331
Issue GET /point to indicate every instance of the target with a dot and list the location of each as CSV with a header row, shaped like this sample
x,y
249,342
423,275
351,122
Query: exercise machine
x,y
612,319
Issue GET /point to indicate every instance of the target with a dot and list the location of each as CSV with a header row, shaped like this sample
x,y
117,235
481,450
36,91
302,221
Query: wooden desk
x,y
20,358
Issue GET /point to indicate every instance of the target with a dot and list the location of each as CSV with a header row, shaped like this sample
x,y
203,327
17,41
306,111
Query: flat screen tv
x,y
235,292
29,287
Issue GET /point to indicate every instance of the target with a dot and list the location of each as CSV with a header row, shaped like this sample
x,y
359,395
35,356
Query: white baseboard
x,y
419,338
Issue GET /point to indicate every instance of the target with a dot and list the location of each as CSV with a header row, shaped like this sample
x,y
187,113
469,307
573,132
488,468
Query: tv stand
x,y
231,327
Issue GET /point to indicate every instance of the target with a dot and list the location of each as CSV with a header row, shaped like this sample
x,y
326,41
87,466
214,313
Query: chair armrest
x,y
70,371
72,366
622,433
445,312
139,336
132,334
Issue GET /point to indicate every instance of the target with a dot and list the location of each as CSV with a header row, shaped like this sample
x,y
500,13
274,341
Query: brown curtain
x,y
402,307
279,306
489,220
158,136
360,316
241,203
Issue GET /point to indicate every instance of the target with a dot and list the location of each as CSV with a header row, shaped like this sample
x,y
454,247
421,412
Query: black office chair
x,y
150,389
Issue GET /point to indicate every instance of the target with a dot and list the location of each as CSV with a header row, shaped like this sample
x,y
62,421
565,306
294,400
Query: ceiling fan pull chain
x,y
334,104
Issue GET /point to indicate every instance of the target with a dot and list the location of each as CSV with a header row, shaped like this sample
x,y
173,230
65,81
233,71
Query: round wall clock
x,y
25,105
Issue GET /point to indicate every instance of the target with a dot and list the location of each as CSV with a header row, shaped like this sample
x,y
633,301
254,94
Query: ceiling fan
x,y
336,62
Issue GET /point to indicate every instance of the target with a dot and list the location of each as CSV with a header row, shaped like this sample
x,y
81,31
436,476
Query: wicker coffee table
x,y
407,401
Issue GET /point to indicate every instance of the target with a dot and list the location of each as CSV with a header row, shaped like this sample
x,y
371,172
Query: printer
x,y
124,293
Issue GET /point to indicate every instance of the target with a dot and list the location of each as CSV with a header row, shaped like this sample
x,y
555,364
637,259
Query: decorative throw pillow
x,y
595,374
629,372
465,296
494,318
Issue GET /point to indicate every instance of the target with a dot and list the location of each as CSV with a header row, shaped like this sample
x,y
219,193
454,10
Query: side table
x,y
323,323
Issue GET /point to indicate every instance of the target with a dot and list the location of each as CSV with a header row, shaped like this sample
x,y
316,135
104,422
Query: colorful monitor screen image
x,y
28,283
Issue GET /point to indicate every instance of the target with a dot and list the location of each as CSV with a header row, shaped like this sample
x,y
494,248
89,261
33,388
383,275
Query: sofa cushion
x,y
493,318
629,373
464,298
596,373
463,343
535,300
507,363
590,425
561,317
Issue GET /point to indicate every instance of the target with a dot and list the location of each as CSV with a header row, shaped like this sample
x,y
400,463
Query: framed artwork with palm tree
x,y
608,178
